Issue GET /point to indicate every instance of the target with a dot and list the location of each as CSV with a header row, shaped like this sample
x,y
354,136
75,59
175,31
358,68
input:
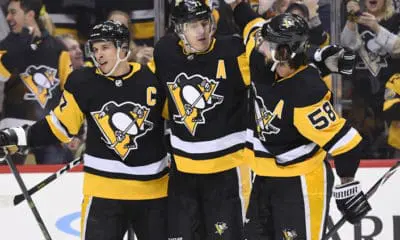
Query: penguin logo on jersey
x,y
289,234
220,228
40,81
193,96
372,54
264,117
122,124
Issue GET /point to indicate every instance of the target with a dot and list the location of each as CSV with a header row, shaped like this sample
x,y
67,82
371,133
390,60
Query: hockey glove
x,y
335,59
351,201
13,136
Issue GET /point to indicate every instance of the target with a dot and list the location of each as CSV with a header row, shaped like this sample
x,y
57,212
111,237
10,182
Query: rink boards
x,y
59,205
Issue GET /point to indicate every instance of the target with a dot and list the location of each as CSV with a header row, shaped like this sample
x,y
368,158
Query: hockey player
x,y
293,186
125,164
207,80
34,67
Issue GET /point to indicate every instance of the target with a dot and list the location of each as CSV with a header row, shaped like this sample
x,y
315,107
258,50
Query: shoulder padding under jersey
x,y
306,88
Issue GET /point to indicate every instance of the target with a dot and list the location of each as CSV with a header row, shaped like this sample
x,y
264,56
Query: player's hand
x,y
13,136
144,54
335,59
351,201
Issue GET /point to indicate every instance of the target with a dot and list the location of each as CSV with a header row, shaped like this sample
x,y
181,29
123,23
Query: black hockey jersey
x,y
125,156
294,125
35,73
207,100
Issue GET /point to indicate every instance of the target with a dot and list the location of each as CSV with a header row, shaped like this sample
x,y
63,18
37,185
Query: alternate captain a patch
x,y
193,96
122,125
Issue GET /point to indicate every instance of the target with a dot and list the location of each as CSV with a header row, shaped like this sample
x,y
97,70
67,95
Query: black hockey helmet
x,y
287,29
183,11
110,31
113,31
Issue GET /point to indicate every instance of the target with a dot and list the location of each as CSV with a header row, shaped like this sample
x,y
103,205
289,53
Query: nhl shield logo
x,y
122,124
40,81
193,96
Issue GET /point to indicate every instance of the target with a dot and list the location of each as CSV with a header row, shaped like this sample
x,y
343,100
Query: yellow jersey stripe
x,y
244,67
212,165
65,67
267,166
349,141
57,129
314,131
69,113
124,189
314,192
4,73
249,28
388,103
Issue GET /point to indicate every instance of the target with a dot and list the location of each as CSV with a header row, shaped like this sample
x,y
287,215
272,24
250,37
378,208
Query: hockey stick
x,y
191,106
28,198
8,201
370,192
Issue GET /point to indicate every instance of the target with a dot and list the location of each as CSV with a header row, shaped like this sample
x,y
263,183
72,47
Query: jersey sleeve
x,y
321,124
66,119
64,67
4,73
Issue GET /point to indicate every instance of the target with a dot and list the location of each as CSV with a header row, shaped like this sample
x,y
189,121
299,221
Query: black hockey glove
x,y
335,59
351,201
13,136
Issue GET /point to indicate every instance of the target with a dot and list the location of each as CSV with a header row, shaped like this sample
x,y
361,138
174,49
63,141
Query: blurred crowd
x,y
369,27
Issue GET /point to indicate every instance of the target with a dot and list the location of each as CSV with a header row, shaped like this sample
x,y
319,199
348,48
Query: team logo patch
x,y
122,124
264,118
40,81
372,54
220,228
289,234
193,96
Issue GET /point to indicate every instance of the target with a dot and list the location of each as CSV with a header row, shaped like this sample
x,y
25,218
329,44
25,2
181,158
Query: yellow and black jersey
x,y
295,125
142,19
35,73
391,109
125,155
207,102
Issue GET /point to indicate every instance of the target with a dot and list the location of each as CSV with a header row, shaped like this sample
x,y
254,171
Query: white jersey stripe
x,y
113,166
344,140
216,145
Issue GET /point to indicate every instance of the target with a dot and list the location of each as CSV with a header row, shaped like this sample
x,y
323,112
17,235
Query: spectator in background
x,y
391,111
74,50
372,34
140,54
71,16
34,67
4,30
308,9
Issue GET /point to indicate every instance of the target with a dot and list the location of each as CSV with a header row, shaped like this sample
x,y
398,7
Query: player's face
x,y
15,17
75,52
375,6
106,55
198,34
